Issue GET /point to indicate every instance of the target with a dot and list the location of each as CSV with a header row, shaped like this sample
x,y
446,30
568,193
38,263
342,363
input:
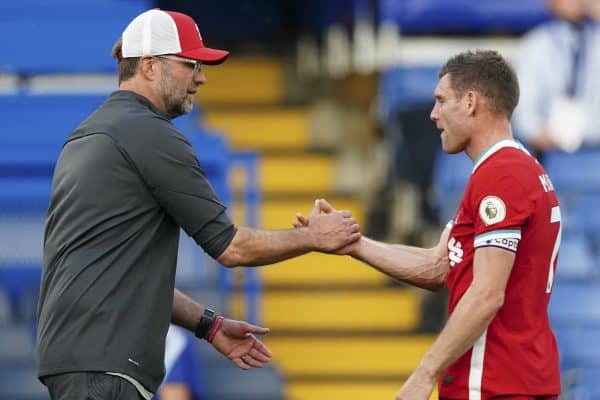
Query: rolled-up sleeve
x,y
169,166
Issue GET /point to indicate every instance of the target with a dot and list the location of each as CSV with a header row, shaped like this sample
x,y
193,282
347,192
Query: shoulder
x,y
149,131
508,162
510,172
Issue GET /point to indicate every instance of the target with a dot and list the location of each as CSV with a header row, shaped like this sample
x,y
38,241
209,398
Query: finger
x,y
355,228
248,359
325,206
316,209
254,353
259,330
346,213
260,347
297,224
302,219
241,363
354,237
350,221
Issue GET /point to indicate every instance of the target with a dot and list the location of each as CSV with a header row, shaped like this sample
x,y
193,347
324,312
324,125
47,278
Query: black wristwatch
x,y
206,322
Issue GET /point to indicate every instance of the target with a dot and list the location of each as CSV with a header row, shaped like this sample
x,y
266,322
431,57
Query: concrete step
x,y
321,270
297,174
345,390
362,357
265,130
243,80
317,310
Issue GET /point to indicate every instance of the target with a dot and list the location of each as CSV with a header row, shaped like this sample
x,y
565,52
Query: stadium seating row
x,y
418,16
63,36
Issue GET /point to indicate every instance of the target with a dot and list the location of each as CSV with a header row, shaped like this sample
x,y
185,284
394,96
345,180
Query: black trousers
x,y
90,386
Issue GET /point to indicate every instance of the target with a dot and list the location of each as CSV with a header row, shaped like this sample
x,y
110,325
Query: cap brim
x,y
206,55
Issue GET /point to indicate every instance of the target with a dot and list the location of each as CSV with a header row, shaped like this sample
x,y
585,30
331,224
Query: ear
x,y
472,102
148,68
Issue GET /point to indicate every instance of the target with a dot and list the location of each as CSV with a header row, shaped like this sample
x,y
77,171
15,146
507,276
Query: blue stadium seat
x,y
579,347
586,208
5,307
420,16
450,177
584,384
24,194
21,383
36,128
574,172
575,260
63,36
575,304
16,345
17,280
401,88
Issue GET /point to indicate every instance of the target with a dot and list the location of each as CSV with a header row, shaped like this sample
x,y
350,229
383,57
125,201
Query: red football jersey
x,y
510,203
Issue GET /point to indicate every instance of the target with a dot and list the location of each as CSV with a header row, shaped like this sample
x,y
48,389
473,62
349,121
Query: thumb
x,y
257,329
325,206
316,209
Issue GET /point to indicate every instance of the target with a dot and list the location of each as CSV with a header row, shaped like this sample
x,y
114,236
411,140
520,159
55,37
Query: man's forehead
x,y
443,85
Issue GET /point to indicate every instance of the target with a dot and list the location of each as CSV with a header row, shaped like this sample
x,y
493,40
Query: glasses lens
x,y
197,67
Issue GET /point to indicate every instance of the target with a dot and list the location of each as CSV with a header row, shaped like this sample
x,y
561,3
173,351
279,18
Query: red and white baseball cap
x,y
158,32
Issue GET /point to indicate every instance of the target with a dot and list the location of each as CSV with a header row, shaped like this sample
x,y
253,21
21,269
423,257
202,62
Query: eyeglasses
x,y
196,64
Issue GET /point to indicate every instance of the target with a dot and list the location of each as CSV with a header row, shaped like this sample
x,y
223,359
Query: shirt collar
x,y
487,153
128,94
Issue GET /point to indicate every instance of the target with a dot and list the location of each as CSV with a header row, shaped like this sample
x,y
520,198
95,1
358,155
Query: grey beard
x,y
177,109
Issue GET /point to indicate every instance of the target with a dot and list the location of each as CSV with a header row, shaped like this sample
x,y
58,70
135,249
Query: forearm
x,y
186,312
470,319
425,268
260,247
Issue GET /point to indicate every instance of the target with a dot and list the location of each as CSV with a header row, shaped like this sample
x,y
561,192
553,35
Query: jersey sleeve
x,y
169,166
501,206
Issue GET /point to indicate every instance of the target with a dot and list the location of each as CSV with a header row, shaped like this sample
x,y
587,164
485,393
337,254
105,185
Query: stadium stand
x,y
463,16
51,90
64,36
72,38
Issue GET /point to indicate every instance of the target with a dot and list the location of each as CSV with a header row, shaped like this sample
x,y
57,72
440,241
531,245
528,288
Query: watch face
x,y
205,323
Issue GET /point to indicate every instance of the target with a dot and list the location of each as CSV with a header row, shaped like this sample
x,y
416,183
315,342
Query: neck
x,y
143,89
489,133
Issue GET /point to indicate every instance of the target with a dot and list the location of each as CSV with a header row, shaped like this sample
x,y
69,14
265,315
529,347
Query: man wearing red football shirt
x,y
497,256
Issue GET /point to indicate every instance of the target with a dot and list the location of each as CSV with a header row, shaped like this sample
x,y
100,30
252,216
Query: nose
x,y
200,78
434,114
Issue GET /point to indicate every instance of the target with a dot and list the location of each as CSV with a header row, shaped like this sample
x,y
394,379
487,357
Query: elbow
x,y
233,255
230,257
491,301
497,302
436,286
437,279
436,276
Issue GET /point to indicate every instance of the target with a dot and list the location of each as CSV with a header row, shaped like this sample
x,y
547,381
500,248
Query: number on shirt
x,y
554,219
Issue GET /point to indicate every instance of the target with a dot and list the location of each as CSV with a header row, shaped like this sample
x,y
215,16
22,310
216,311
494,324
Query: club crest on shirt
x,y
492,210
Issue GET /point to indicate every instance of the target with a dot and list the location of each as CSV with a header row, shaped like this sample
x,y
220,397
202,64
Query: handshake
x,y
333,231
